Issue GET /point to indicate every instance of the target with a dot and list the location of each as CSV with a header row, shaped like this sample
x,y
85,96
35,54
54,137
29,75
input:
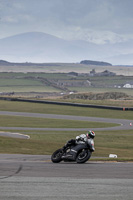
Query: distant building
x,y
73,74
92,72
107,73
104,73
128,85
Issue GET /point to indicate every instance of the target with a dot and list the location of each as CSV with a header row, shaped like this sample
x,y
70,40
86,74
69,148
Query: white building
x,y
128,85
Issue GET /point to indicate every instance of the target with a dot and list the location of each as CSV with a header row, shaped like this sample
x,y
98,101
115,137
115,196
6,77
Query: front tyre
x,y
83,156
56,156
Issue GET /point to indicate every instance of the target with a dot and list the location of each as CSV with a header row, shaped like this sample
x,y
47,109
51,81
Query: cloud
x,y
9,19
98,21
90,35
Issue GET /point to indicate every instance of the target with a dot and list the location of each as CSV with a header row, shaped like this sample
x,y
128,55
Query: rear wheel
x,y
83,156
56,156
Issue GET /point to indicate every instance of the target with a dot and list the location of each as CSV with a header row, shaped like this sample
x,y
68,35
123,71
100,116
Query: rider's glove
x,y
77,138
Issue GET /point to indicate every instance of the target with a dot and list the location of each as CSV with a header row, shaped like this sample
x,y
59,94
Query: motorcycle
x,y
80,153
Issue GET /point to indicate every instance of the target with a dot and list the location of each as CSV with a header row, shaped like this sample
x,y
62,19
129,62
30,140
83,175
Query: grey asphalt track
x,y
36,177
123,124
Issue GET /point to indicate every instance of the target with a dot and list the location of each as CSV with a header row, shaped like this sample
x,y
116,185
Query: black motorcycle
x,y
80,153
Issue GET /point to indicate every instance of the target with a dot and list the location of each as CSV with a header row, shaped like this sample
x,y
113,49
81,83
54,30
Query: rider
x,y
83,138
86,138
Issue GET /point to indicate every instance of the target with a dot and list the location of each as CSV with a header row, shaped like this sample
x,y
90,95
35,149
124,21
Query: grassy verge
x,y
108,102
45,142
17,121
101,90
116,142
63,110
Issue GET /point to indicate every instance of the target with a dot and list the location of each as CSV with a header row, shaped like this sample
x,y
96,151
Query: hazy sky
x,y
98,21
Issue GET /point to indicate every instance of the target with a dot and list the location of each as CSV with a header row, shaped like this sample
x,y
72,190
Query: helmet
x,y
91,134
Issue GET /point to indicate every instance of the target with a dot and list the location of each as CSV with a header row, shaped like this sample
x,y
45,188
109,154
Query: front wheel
x,y
83,156
56,156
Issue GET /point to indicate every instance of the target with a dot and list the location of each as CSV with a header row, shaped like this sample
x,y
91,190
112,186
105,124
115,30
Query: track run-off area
x,y
123,124
36,177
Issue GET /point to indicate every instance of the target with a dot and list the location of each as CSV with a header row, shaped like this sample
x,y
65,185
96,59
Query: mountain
x,y
41,48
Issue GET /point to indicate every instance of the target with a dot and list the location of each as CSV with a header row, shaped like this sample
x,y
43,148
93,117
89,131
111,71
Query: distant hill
x,y
85,62
90,62
3,62
37,47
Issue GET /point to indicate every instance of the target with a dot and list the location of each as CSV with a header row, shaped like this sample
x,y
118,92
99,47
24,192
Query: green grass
x,y
101,90
18,121
12,75
106,142
28,89
63,110
116,142
27,82
18,82
45,142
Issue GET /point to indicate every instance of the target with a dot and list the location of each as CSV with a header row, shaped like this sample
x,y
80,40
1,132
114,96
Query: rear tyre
x,y
83,156
56,156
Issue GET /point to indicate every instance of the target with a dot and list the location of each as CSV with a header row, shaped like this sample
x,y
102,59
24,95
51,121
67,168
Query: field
x,y
44,85
63,110
45,142
17,121
53,82
67,67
